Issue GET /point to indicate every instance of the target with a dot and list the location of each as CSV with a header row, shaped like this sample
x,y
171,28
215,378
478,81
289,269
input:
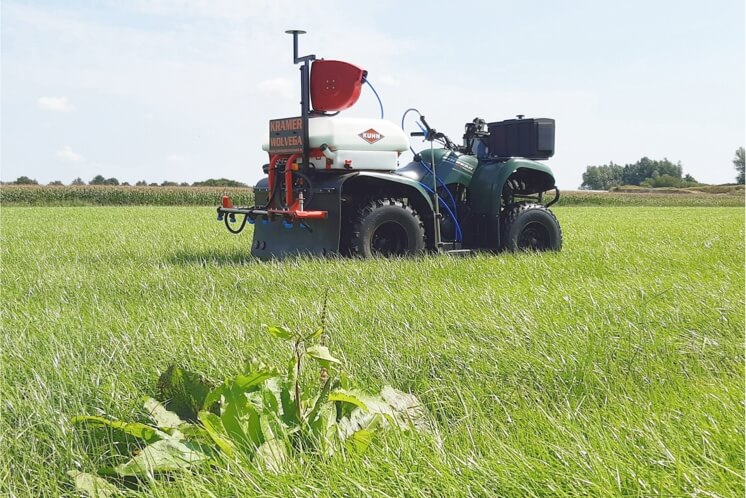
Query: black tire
x,y
530,227
387,227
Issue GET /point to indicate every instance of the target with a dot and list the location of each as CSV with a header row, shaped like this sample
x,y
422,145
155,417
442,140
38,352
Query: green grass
x,y
615,367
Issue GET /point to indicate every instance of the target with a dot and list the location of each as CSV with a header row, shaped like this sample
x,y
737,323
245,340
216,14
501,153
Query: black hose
x,y
228,224
271,196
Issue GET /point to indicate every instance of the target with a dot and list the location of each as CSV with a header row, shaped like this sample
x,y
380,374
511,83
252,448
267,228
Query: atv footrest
x,y
459,252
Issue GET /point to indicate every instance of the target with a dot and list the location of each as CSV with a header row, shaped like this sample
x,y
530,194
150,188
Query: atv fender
x,y
414,190
487,184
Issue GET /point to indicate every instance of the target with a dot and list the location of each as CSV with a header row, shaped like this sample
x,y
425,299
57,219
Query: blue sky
x,y
182,90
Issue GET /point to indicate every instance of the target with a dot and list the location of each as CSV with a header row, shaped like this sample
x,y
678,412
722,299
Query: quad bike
x,y
333,184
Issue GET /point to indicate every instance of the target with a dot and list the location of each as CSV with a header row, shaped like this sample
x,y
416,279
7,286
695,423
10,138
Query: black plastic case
x,y
530,138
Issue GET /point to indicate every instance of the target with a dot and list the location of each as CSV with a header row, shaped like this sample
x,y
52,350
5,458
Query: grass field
x,y
615,367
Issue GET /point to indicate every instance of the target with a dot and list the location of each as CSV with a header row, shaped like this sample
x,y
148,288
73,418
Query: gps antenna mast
x,y
305,107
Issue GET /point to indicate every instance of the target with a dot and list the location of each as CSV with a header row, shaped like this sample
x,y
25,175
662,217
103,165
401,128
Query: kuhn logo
x,y
371,136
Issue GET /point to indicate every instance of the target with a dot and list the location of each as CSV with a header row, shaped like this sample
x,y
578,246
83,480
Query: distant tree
x,y
646,172
602,177
78,181
166,183
689,181
111,181
25,180
153,184
646,168
141,183
738,163
55,183
183,184
219,182
97,180
125,184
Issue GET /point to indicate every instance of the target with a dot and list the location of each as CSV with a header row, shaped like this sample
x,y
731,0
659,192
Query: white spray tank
x,y
339,143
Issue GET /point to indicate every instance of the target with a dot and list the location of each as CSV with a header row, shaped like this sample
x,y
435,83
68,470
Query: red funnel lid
x,y
335,85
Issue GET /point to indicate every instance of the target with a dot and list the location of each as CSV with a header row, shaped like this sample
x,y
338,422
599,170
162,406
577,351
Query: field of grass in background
x,y
95,195
614,367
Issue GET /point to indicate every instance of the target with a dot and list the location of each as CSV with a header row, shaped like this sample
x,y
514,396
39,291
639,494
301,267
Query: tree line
x,y
101,180
648,173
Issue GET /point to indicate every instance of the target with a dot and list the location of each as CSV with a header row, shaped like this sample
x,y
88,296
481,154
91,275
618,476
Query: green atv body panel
x,y
451,167
397,179
489,180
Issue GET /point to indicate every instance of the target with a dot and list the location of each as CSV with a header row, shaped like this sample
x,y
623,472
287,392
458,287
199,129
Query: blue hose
x,y
453,201
424,165
445,205
380,104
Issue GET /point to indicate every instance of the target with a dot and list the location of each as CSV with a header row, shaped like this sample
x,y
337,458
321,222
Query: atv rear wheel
x,y
387,227
530,227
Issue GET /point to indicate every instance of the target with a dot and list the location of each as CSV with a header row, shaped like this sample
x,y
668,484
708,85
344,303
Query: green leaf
x,y
162,417
271,396
322,355
324,430
320,400
360,441
214,427
315,334
272,456
93,486
282,405
350,397
280,332
240,419
196,434
165,455
145,432
214,396
240,384
289,406
251,381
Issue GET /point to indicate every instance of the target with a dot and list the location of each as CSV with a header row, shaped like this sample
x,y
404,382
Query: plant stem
x,y
298,356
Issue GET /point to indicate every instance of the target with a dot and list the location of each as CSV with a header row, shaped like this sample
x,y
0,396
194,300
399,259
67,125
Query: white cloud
x,y
281,87
55,104
67,154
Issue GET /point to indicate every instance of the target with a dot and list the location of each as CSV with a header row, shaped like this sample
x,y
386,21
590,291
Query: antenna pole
x,y
305,86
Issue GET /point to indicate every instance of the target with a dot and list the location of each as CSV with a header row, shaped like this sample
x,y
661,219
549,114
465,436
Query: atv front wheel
x,y
530,227
387,227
